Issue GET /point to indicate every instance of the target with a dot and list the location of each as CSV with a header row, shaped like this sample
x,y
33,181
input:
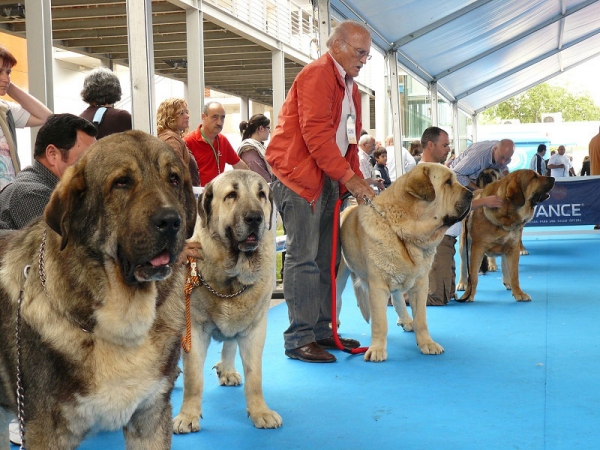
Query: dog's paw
x,y
227,377
461,286
465,298
406,326
376,354
521,297
492,267
523,252
265,418
431,348
186,423
507,286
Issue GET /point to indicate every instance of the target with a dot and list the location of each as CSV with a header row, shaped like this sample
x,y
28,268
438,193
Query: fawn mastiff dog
x,y
498,232
231,303
389,246
91,309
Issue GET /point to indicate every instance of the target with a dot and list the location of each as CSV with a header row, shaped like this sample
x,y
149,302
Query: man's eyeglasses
x,y
359,53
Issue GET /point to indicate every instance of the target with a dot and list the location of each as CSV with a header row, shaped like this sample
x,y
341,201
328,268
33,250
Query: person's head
x,y
561,149
213,119
380,155
173,114
62,140
586,158
258,127
7,62
101,87
367,143
552,152
503,151
542,149
349,43
436,145
389,141
415,148
363,132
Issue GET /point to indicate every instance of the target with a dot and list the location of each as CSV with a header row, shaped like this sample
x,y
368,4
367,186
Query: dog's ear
x,y
514,193
419,185
190,207
65,202
205,204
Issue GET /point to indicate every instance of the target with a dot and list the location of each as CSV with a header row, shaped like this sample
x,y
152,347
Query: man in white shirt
x,y
366,145
394,167
560,164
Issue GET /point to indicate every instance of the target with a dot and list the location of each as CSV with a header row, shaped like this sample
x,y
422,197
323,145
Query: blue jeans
x,y
307,283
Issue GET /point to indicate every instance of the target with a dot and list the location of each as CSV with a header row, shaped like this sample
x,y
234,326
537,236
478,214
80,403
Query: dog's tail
x,y
361,291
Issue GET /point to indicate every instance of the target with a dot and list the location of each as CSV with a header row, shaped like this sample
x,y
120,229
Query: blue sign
x,y
573,201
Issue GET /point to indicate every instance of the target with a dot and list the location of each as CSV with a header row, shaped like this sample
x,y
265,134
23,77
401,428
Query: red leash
x,y
334,255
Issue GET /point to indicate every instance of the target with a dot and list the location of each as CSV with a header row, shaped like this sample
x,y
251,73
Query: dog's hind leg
x,y
251,351
464,248
340,283
188,419
226,372
474,263
404,319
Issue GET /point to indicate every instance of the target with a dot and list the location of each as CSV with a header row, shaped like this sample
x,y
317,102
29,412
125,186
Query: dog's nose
x,y
167,221
253,218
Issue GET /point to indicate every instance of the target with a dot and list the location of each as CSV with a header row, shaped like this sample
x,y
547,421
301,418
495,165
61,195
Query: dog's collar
x,y
370,203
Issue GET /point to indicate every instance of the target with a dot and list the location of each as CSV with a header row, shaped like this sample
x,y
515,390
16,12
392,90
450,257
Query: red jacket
x,y
303,148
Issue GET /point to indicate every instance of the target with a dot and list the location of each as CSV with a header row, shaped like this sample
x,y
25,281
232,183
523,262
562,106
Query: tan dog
x,y
498,232
389,247
99,301
231,305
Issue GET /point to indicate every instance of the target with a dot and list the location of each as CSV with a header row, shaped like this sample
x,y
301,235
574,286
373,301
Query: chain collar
x,y
207,286
369,202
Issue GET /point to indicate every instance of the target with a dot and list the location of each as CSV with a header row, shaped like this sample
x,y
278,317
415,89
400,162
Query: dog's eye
x,y
174,179
449,182
231,196
262,195
122,183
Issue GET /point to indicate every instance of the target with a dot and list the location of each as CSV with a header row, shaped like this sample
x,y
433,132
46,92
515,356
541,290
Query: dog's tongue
x,y
161,259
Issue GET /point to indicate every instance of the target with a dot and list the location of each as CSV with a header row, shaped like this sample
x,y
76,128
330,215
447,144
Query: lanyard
x,y
215,152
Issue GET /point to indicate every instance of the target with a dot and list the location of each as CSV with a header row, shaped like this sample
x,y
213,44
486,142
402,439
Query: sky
x,y
582,79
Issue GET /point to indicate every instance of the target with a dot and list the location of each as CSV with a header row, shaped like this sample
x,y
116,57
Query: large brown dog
x,y
389,248
231,304
99,299
498,232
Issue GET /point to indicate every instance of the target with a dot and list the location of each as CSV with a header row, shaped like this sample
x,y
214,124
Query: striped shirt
x,y
469,164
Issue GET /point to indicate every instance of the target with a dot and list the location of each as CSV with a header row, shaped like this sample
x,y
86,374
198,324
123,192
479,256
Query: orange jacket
x,y
303,148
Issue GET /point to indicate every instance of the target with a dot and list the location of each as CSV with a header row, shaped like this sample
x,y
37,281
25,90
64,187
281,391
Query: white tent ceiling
x,y
481,52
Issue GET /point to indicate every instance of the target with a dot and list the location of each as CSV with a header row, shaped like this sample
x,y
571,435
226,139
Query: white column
x,y
365,104
38,24
456,133
474,117
195,65
141,64
324,16
278,71
434,104
392,65
244,108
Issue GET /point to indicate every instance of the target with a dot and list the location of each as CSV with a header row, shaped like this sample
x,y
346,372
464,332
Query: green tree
x,y
544,98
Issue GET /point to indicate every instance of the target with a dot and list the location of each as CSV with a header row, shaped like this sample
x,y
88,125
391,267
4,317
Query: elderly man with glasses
x,y
313,155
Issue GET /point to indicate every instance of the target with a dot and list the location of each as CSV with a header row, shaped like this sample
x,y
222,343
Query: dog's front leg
x,y
188,419
378,298
419,306
404,319
226,372
251,350
465,245
510,275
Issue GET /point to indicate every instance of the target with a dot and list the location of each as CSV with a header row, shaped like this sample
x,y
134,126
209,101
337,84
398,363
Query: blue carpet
x,y
513,376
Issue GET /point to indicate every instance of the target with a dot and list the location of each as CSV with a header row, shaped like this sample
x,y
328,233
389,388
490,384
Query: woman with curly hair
x,y
252,148
173,119
101,90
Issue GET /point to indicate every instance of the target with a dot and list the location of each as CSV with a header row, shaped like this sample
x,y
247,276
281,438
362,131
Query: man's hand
x,y
493,201
378,182
191,249
360,188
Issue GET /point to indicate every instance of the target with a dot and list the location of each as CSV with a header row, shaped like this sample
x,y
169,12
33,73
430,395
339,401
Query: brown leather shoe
x,y
330,343
312,353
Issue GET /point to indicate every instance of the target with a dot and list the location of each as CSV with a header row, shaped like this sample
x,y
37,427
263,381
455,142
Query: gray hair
x,y
344,30
101,87
365,138
208,105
